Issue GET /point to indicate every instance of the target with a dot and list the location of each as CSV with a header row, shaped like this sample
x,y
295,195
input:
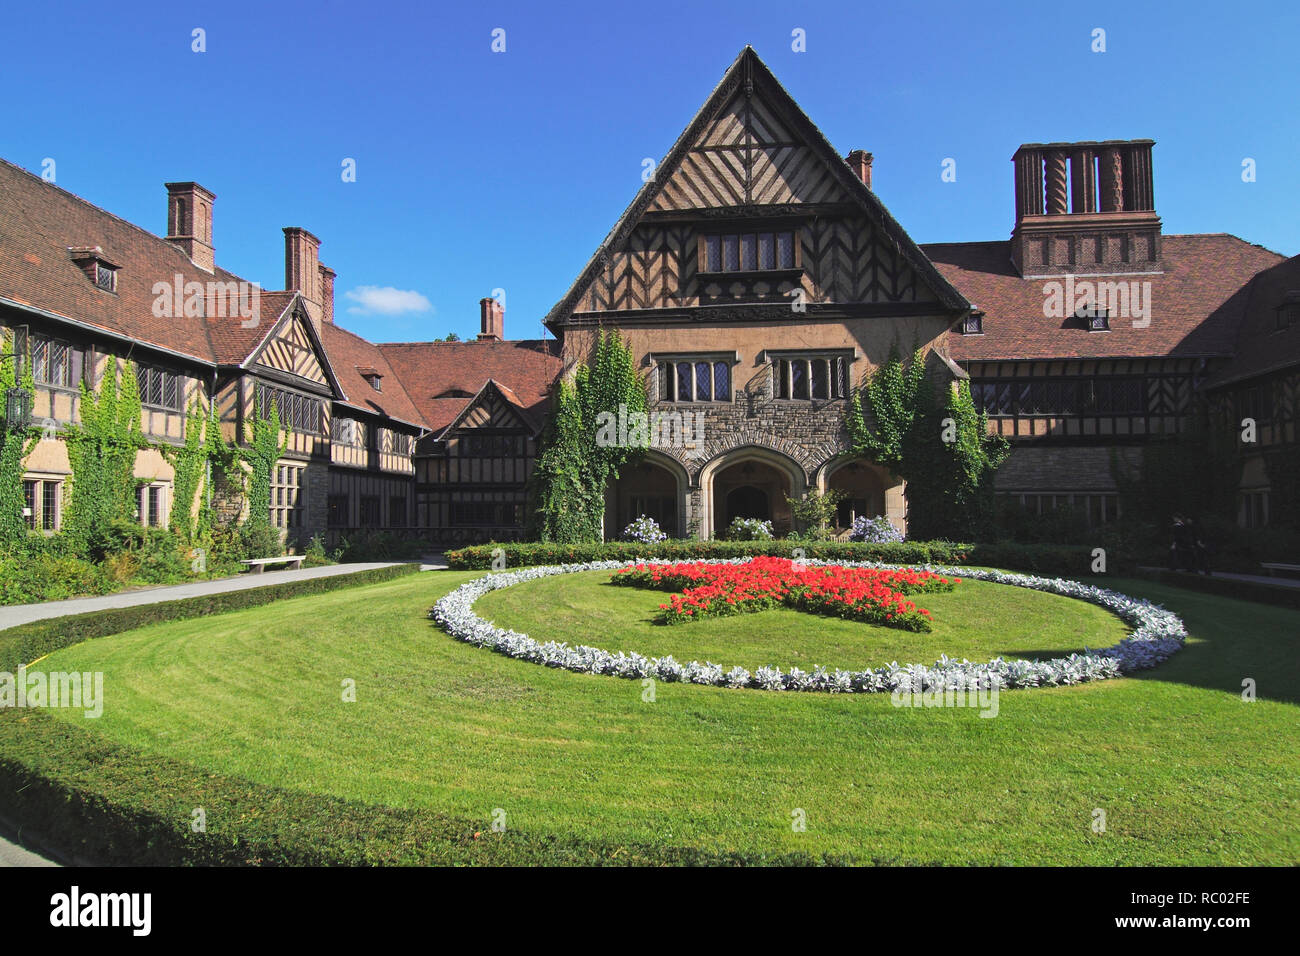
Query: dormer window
x,y
105,277
1095,318
1288,313
373,377
98,269
973,323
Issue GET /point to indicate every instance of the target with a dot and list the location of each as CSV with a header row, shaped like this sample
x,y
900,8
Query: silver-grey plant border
x,y
1157,634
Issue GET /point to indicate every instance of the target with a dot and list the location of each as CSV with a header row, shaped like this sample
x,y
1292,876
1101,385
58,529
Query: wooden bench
x,y
1274,568
258,565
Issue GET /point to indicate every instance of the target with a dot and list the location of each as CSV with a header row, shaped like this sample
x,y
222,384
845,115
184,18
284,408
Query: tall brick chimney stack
x,y
1085,208
860,162
492,320
327,293
189,222
302,270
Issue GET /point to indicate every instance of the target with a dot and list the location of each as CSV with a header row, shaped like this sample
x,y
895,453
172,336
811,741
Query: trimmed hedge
x,y
27,642
1073,560
113,804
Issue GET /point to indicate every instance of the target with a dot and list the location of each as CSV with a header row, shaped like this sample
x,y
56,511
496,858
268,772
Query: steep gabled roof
x,y
748,71
1197,302
525,367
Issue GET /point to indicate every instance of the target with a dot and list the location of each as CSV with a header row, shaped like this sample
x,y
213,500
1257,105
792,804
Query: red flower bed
x,y
709,589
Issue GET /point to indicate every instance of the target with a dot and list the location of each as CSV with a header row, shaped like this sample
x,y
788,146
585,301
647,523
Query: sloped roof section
x,y
1261,346
750,74
39,223
525,367
350,355
1197,303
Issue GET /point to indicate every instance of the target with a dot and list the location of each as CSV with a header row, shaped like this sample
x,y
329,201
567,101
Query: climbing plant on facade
x,y
939,445
567,487
264,448
102,449
193,464
16,441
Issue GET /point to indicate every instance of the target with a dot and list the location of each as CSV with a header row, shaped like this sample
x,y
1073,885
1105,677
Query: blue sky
x,y
478,170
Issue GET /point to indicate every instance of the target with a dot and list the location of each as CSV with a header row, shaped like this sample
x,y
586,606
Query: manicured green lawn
x,y
977,620
1185,771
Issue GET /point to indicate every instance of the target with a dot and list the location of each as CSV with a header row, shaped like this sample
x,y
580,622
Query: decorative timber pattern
x,y
291,351
747,156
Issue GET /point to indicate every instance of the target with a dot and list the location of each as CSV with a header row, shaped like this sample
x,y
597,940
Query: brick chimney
x,y
327,293
1085,208
302,270
860,162
492,320
189,222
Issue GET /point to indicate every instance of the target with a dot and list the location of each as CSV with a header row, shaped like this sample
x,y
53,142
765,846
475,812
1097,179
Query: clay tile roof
x,y
235,338
1261,346
525,368
40,223
352,357
1197,304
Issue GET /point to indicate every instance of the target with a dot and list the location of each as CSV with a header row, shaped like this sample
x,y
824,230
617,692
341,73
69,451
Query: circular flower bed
x,y
1157,635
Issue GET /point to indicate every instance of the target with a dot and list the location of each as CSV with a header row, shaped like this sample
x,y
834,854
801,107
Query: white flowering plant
x,y
645,531
750,529
878,530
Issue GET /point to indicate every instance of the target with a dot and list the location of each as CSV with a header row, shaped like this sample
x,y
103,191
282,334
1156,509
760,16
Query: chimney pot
x,y
492,320
860,162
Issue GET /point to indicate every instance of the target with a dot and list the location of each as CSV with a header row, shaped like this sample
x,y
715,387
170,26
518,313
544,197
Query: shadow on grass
x,y
1229,642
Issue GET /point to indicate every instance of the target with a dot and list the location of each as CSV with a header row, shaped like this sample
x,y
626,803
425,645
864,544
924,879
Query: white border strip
x,y
1157,635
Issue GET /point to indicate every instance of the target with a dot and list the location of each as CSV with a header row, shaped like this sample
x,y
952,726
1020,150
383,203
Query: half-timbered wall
x,y
1085,401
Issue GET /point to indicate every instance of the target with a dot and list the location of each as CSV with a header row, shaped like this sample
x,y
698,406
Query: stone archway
x,y
868,490
654,486
748,479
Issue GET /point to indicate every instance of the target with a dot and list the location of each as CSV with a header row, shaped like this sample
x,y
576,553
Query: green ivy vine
x,y
15,444
102,450
567,487
939,446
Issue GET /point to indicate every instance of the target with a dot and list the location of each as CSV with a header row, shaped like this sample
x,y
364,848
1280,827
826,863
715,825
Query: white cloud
x,y
385,300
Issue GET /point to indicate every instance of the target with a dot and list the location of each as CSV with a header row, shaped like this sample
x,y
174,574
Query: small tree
x,y
814,512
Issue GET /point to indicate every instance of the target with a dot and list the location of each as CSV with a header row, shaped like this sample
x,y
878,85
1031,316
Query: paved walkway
x,y
13,853
17,614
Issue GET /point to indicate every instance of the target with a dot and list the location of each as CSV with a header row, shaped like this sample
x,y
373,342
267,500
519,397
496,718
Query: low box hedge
x,y
111,804
1073,560
26,642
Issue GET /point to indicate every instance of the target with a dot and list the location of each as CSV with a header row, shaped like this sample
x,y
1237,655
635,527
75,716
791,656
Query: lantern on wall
x,y
18,408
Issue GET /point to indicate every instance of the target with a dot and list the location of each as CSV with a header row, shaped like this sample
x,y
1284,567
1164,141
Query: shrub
x,y
49,577
379,546
1067,560
750,529
644,530
874,530
315,555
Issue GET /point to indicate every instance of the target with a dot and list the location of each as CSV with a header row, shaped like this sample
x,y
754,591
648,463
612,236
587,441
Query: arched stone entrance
x,y
868,490
654,486
749,482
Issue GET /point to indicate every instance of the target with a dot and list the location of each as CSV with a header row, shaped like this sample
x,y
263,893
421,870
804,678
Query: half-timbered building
x,y
757,277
